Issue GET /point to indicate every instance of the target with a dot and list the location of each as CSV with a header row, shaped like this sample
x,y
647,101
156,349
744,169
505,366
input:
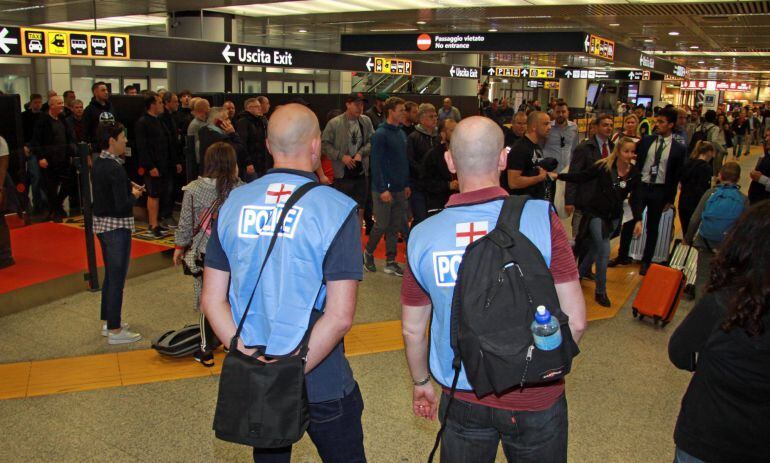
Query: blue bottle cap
x,y
542,315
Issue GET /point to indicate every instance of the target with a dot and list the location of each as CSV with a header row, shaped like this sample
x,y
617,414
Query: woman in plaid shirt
x,y
200,205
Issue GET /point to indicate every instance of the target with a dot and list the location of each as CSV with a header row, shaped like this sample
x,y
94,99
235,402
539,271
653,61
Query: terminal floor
x,y
623,393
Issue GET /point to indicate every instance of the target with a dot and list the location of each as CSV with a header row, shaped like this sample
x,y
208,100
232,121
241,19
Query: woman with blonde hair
x,y
200,206
616,178
630,123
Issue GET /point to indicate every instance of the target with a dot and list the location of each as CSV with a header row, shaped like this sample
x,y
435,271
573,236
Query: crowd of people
x,y
412,172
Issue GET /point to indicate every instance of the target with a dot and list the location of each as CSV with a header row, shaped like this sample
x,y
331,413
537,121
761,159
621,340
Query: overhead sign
x,y
551,85
599,47
715,85
563,42
464,71
680,71
514,71
10,40
639,75
535,84
392,66
646,61
69,44
585,74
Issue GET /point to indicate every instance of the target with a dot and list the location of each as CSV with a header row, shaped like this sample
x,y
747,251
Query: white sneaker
x,y
105,331
123,337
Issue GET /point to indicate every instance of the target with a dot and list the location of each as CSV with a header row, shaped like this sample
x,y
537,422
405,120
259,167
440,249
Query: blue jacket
x,y
390,165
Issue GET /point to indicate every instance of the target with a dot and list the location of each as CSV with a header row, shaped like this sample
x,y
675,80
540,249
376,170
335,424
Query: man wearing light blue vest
x,y
531,422
309,282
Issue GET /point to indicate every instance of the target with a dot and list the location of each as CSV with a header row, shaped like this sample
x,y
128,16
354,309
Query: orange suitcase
x,y
659,295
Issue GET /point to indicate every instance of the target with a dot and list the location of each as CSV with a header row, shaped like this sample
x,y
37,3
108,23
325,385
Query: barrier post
x,y
84,155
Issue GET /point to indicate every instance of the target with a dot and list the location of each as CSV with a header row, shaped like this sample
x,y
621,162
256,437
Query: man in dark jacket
x,y
100,103
176,157
577,195
375,112
153,145
660,159
252,133
422,140
219,128
29,119
438,182
53,145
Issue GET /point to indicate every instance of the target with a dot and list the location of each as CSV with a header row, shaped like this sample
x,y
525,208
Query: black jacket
x,y
91,116
45,147
28,121
757,191
112,189
605,191
696,180
418,144
209,136
174,137
153,144
585,155
724,414
436,177
674,165
253,133
77,127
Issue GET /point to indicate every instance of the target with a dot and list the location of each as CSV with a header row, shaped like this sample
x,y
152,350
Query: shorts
x,y
354,188
154,185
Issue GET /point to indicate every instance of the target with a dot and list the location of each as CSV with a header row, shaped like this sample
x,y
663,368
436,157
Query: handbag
x,y
192,260
263,405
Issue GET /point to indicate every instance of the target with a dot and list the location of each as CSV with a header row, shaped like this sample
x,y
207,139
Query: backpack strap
x,y
509,221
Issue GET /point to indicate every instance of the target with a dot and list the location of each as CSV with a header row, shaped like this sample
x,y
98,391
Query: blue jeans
x,y
116,251
683,457
473,433
335,429
36,184
742,145
599,252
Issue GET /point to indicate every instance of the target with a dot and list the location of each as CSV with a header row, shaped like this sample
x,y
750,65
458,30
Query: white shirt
x,y
661,178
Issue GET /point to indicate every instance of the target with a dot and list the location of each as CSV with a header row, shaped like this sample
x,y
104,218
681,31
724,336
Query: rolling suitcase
x,y
665,236
659,295
685,258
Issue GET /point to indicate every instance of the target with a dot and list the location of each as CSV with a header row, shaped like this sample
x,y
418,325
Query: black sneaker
x,y
602,300
619,261
369,263
204,358
643,269
393,268
157,233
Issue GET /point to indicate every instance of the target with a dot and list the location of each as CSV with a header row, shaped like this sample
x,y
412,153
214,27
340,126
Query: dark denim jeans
x,y
36,184
683,457
473,433
335,429
116,250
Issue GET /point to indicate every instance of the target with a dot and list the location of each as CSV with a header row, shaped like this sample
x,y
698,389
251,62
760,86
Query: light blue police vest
x,y
436,247
292,284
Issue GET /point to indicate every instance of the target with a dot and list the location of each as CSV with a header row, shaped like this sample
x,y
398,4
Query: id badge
x,y
654,171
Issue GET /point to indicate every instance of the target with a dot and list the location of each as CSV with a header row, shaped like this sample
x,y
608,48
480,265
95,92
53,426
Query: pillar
x,y
340,82
653,88
202,25
59,75
573,91
460,87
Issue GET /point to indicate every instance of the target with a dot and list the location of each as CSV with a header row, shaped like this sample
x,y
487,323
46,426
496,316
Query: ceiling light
x,y
648,40
114,22
421,22
674,33
405,29
492,30
717,59
701,62
694,47
302,31
614,24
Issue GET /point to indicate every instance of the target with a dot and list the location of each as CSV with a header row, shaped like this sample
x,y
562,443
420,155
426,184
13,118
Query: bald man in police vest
x,y
531,422
309,283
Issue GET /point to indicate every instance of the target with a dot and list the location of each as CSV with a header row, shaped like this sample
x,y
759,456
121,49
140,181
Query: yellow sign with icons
x,y
393,66
74,44
542,73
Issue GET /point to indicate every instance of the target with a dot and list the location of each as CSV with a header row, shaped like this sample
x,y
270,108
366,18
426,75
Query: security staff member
x,y
477,156
661,159
153,143
310,280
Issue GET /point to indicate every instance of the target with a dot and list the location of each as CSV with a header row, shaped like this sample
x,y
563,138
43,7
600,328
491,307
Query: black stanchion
x,y
191,165
84,166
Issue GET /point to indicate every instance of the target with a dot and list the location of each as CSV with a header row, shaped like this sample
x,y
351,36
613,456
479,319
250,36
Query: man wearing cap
x,y
375,112
346,141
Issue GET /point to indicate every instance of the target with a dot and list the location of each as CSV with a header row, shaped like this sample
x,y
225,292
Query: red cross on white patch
x,y
468,232
278,193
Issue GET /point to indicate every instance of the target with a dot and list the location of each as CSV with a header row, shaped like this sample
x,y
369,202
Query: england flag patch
x,y
278,193
468,232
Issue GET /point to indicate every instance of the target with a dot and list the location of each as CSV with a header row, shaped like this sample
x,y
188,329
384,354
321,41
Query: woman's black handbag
x,y
263,405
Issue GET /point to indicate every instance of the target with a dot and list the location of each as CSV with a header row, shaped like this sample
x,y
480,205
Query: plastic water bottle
x,y
545,330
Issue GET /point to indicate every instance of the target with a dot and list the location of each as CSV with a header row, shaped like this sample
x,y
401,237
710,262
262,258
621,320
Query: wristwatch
x,y
421,383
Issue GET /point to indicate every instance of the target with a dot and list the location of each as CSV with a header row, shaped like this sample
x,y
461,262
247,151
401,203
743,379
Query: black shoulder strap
x,y
298,193
509,221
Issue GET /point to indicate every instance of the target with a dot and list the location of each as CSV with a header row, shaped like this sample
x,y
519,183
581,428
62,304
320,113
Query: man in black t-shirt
x,y
524,177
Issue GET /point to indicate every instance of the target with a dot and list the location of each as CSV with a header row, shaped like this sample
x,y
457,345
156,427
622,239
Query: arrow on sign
x,y
587,43
369,64
524,73
5,41
491,71
631,75
227,53
452,71
568,74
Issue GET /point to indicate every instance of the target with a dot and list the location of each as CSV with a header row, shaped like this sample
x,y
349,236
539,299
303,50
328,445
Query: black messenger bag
x,y
263,405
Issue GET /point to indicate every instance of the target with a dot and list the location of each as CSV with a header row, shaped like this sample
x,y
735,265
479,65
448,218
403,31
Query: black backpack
x,y
701,134
501,281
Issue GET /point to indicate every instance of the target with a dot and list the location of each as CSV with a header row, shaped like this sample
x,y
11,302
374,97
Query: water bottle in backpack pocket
x,y
545,330
722,210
